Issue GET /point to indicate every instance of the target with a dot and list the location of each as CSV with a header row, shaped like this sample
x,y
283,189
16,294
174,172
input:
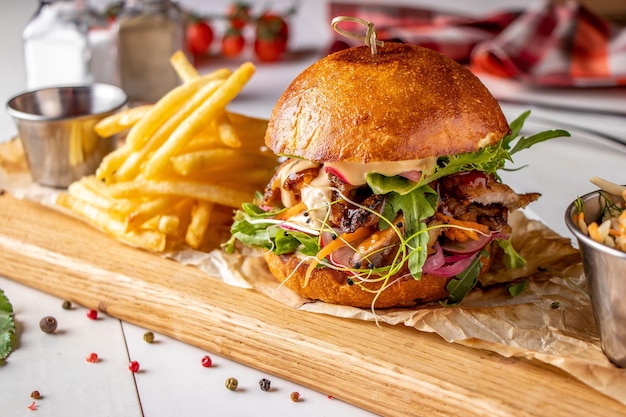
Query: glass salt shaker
x,y
148,33
56,44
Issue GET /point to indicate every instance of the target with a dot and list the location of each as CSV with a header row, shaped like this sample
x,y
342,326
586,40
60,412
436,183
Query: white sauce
x,y
292,167
356,173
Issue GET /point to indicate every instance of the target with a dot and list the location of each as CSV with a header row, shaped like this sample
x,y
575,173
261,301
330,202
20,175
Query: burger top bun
x,y
403,103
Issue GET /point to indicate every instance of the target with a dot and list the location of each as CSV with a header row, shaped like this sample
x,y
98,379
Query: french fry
x,y
191,125
227,133
250,130
219,158
183,68
131,167
202,191
163,110
168,224
200,217
121,121
112,162
84,190
76,155
146,211
147,239
248,179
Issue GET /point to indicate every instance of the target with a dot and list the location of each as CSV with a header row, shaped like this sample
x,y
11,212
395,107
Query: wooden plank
x,y
390,370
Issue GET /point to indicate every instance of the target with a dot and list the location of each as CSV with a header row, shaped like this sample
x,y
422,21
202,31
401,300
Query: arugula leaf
x,y
416,206
517,288
512,259
7,327
459,286
515,126
527,142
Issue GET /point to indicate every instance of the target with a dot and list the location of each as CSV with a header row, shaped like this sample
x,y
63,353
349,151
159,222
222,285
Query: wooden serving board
x,y
389,370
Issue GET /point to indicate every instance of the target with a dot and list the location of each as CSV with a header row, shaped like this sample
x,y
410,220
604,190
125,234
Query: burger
x,y
388,193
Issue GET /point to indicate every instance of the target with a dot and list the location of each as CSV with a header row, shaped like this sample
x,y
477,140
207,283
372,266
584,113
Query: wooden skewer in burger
x,y
389,195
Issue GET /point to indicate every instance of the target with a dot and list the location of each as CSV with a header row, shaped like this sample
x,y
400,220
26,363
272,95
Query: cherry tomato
x,y
272,26
238,15
199,37
272,34
232,43
269,50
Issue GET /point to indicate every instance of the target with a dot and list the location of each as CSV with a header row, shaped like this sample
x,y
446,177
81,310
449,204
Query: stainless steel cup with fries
x,y
56,128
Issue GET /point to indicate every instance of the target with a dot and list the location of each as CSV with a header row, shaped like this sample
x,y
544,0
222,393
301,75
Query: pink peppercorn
x,y
133,366
92,314
206,361
92,357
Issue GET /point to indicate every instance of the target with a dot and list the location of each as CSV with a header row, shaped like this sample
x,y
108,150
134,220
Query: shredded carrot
x,y
342,240
291,211
469,229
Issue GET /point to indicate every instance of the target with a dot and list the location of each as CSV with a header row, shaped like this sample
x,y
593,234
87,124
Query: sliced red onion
x,y
341,256
451,269
413,175
335,172
436,260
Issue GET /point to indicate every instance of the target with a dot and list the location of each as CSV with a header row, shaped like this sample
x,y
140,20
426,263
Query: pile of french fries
x,y
186,163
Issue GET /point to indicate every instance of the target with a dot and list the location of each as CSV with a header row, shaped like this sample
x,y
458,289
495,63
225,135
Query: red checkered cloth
x,y
549,44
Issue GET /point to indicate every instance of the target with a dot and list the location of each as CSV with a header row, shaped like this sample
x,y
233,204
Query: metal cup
x,y
605,268
56,127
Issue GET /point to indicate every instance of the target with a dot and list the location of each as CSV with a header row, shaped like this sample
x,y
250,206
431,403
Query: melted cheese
x,y
356,173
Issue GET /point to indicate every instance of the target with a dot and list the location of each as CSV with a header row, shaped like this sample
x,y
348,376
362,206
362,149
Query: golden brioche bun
x,y
331,286
403,103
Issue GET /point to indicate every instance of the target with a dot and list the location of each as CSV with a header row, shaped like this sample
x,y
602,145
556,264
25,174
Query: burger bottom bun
x,y
331,286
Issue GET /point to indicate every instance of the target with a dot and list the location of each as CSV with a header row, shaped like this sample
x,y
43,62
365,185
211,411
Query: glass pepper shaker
x,y
148,33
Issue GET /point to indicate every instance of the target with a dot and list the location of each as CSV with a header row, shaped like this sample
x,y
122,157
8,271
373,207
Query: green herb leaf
x,y
7,327
290,241
252,227
515,126
517,288
416,206
463,283
527,142
512,259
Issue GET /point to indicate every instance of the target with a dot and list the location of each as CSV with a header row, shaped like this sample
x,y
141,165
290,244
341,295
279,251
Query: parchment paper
x,y
551,321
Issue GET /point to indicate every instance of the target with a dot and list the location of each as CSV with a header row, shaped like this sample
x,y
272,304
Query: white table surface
x,y
172,381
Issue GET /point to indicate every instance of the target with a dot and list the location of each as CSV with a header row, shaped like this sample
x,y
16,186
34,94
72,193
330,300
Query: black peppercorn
x,y
265,384
48,324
